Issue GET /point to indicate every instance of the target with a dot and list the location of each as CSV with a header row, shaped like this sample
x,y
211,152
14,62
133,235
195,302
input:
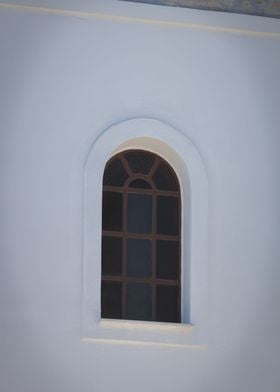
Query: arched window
x,y
141,264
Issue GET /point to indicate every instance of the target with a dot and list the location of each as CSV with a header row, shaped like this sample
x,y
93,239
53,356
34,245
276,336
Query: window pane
x,y
139,302
111,256
168,304
115,174
138,258
112,211
167,260
139,183
139,213
165,178
111,300
140,161
167,215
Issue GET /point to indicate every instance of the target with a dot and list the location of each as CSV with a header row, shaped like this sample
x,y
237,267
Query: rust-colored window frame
x,y
125,190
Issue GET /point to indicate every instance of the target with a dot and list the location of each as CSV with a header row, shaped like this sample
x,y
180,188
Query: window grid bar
x,y
110,188
132,279
127,188
153,256
125,164
154,167
124,255
180,263
140,236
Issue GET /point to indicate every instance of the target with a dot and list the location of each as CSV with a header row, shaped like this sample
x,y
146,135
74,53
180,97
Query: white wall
x,y
63,80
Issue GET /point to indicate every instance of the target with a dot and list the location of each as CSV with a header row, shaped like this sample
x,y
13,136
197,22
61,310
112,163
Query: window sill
x,y
146,333
144,325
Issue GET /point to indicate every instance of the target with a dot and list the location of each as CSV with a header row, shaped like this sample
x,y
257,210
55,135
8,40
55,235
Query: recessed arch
x,y
172,145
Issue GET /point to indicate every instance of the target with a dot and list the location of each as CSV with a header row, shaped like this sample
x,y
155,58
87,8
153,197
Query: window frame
x,y
154,282
180,153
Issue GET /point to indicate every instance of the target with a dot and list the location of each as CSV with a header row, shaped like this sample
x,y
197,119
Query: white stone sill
x,y
144,333
145,325
143,343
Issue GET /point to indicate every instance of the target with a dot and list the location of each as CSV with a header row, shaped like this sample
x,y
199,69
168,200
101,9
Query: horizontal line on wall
x,y
142,343
132,19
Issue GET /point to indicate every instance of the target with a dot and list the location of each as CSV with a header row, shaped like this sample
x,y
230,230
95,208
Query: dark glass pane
x,y
112,211
115,174
139,161
138,258
111,256
165,178
139,183
139,301
167,215
168,304
139,213
111,300
167,260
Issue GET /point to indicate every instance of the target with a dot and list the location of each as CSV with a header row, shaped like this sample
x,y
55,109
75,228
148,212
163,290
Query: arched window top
x,y
140,169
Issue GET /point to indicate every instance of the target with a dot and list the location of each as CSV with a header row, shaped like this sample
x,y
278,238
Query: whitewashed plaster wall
x,y
65,78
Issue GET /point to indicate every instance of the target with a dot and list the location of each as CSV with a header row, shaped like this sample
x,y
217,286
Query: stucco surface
x,y
66,79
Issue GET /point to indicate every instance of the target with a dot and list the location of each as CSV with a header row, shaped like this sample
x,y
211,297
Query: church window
x,y
141,239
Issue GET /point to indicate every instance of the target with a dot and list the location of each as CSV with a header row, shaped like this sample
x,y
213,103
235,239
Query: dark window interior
x,y
115,174
140,239
139,257
112,212
139,213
